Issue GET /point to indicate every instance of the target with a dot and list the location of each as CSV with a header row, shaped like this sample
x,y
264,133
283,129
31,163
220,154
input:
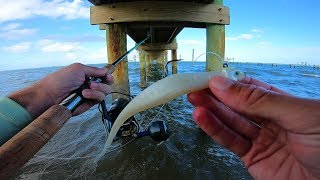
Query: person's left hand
x,y
54,88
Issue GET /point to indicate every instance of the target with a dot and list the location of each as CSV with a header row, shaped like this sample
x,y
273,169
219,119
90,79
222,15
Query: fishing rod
x,y
25,144
75,99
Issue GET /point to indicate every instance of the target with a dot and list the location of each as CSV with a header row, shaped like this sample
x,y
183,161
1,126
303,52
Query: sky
x,y
42,33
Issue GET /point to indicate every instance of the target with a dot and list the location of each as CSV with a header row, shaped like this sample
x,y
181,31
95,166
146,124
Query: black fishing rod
x,y
75,99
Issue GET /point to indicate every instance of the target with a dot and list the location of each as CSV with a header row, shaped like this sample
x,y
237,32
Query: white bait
x,y
164,91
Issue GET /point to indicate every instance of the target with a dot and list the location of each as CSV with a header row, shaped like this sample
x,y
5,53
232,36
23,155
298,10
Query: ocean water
x,y
187,154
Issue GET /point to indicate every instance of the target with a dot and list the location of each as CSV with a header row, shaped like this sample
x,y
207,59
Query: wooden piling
x,y
117,46
157,64
165,53
143,78
174,56
215,43
174,63
148,65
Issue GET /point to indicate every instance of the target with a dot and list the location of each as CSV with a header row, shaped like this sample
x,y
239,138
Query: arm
x,y
51,90
13,118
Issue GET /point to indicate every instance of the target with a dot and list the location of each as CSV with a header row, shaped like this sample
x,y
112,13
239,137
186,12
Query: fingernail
x,y
220,83
94,85
109,76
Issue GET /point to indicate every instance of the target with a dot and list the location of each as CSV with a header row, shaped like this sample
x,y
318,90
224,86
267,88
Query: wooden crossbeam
x,y
100,2
102,27
158,46
159,11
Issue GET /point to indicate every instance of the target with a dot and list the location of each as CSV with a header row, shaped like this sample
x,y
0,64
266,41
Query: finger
x,y
104,88
261,104
231,119
220,132
108,79
94,95
91,71
249,80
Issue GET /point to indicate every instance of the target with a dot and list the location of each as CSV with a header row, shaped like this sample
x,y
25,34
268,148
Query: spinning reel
x,y
157,130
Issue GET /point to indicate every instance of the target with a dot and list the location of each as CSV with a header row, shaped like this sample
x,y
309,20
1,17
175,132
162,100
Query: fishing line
x,y
210,52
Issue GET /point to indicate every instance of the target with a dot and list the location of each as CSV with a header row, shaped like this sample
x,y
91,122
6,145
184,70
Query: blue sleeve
x,y
13,118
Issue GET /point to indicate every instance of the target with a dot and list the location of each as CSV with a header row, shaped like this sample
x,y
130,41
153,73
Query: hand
x,y
54,88
275,134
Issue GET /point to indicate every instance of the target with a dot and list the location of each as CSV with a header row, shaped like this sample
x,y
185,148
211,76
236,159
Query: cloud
x,y
79,38
13,31
22,9
18,48
264,43
257,30
10,27
240,37
71,56
49,46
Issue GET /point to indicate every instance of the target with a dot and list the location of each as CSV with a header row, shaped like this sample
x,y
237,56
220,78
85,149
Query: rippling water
x,y
187,154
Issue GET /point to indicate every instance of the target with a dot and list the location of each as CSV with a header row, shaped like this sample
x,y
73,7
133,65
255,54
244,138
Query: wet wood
x,y
117,46
215,44
165,53
24,145
174,56
143,77
100,2
148,65
155,11
102,26
156,65
158,46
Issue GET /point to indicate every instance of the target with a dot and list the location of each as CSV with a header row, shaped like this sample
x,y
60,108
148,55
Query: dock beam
x,y
215,43
117,46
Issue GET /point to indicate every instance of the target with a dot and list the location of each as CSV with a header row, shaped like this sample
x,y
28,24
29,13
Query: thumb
x,y
258,103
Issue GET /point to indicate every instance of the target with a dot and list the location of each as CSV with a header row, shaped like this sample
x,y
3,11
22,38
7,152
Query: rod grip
x,y
24,145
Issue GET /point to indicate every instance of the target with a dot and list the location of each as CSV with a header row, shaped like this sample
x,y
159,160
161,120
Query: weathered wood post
x,y
117,46
165,56
215,43
148,66
174,56
157,61
143,77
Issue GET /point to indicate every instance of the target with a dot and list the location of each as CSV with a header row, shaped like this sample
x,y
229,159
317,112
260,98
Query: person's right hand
x,y
55,87
275,134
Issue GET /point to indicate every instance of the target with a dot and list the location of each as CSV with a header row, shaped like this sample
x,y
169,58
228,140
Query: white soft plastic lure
x,y
164,91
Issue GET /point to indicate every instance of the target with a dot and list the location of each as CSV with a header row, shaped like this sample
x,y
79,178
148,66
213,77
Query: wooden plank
x,y
100,2
158,46
165,24
161,11
215,44
159,35
102,26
